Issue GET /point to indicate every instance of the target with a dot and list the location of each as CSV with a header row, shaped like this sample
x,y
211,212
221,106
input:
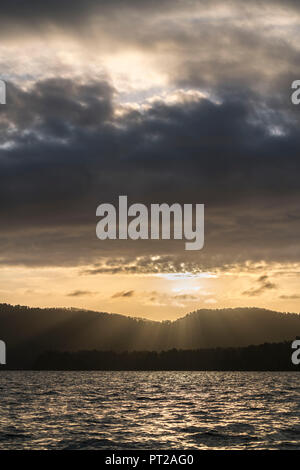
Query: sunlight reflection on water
x,y
150,410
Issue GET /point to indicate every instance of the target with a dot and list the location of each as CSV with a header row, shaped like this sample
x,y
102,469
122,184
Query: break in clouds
x,y
164,101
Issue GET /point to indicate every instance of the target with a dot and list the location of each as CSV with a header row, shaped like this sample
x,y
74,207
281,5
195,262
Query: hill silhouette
x,y
28,332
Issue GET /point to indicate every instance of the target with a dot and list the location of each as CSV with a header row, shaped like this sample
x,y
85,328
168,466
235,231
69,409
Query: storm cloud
x,y
222,132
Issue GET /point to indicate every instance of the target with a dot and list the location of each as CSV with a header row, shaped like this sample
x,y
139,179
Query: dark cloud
x,y
64,151
263,285
75,16
68,11
123,294
80,293
187,297
55,107
193,43
290,297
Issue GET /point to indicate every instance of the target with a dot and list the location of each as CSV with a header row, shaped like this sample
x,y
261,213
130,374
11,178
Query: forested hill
x,y
28,332
265,357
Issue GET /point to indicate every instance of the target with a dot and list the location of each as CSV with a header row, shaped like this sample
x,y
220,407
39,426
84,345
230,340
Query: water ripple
x,y
149,410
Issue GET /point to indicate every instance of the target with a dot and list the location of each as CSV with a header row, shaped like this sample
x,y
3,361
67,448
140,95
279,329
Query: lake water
x,y
150,410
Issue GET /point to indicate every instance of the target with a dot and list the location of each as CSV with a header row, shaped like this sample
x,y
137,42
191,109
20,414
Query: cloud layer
x,y
213,124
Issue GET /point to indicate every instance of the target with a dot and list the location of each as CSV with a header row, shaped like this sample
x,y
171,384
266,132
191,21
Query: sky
x,y
162,101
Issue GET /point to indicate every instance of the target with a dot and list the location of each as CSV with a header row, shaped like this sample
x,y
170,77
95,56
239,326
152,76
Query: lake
x,y
149,410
